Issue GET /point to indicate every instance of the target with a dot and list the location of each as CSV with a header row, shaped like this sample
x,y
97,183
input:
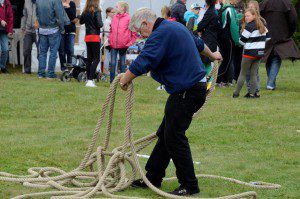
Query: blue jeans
x,y
46,42
4,49
273,65
66,49
248,81
114,53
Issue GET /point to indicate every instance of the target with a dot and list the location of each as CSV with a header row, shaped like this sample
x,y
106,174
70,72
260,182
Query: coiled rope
x,y
94,178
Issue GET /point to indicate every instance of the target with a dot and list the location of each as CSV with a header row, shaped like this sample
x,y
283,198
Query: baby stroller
x,y
77,69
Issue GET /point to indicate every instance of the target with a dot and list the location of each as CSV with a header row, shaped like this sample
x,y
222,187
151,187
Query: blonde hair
x,y
124,5
258,22
166,12
91,5
255,3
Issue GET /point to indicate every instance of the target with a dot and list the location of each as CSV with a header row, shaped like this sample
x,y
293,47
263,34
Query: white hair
x,y
142,14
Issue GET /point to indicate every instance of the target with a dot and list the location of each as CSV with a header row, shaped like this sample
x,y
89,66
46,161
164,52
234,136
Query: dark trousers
x,y
66,49
172,142
238,55
93,59
226,69
29,39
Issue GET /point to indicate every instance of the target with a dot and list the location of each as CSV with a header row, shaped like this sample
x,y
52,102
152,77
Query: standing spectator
x,y
6,31
110,12
255,6
227,39
239,7
66,48
92,19
120,37
191,17
166,13
51,19
253,38
208,28
178,10
29,31
281,19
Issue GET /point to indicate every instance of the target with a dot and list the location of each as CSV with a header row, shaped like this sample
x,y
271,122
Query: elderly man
x,y
171,54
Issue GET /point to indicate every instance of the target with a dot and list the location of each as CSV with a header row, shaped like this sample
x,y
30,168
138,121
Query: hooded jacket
x,y
120,36
6,14
188,15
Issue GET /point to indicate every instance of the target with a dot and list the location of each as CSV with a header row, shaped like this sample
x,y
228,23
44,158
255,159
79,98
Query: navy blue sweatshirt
x,y
71,12
171,54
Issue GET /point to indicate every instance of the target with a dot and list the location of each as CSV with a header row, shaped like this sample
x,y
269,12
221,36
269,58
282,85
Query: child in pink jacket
x,y
120,37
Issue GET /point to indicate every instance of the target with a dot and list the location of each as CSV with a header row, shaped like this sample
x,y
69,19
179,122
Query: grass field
x,y
50,123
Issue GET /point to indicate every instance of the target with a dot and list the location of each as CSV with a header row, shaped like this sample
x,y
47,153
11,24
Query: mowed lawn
x,y
50,123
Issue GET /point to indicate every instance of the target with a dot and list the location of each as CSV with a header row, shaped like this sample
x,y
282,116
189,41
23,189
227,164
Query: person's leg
x,y
70,43
159,159
4,50
107,60
230,70
178,116
62,52
226,52
246,63
27,49
54,42
274,70
96,59
237,62
113,64
43,49
248,81
122,54
89,61
253,76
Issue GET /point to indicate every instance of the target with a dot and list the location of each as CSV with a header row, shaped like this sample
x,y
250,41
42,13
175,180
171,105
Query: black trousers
x,y
172,142
226,69
29,39
93,59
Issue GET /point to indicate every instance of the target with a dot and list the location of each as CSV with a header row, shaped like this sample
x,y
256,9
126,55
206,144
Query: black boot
x,y
141,184
182,191
4,70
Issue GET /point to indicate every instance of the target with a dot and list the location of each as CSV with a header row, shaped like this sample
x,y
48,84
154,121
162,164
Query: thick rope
x,y
93,178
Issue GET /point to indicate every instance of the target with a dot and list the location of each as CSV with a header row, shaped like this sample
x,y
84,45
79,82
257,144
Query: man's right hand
x,y
3,23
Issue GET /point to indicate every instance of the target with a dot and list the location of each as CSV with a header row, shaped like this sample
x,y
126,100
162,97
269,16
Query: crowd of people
x,y
240,31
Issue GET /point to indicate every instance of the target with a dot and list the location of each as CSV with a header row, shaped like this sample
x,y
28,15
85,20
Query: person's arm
x,y
191,23
10,19
99,22
149,59
60,15
205,51
24,19
245,35
204,22
71,11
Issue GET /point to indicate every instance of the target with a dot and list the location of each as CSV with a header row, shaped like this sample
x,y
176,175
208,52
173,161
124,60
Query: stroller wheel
x,y
82,77
101,77
65,76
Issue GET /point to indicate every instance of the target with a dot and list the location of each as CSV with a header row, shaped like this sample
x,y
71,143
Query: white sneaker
x,y
161,87
270,88
90,83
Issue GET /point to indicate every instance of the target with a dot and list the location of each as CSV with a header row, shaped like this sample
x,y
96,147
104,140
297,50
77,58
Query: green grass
x,y
50,123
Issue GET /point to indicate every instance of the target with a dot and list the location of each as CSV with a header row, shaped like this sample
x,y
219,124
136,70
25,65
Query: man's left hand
x,y
123,85
216,56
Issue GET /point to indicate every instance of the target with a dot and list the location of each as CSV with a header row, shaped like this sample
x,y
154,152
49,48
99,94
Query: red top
x,y
251,57
6,14
92,38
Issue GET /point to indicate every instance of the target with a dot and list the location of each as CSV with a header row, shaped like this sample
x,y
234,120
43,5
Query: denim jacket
x,y
51,14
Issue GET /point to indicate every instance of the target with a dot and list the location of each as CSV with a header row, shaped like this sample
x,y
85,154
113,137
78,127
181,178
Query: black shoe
x,y
4,70
181,191
251,96
247,95
235,95
141,184
257,95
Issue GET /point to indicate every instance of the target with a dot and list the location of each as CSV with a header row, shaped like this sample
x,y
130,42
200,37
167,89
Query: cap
x,y
195,5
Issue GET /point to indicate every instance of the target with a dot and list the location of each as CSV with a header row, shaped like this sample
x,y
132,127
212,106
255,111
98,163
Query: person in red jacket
x,y
6,30
120,37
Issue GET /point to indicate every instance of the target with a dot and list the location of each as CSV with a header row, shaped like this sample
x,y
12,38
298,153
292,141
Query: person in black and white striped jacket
x,y
253,38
